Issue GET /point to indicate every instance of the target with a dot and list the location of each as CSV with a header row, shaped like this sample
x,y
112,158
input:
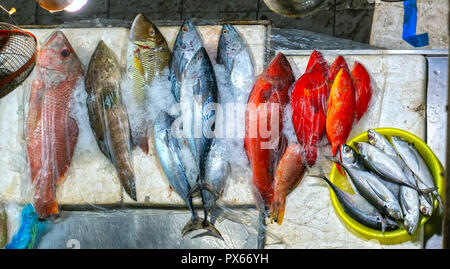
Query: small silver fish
x,y
416,163
369,185
361,210
168,151
409,198
379,162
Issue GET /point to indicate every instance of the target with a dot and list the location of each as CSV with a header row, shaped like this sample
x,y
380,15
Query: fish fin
x,y
426,191
199,223
336,162
137,61
202,186
278,208
332,159
441,203
71,136
142,142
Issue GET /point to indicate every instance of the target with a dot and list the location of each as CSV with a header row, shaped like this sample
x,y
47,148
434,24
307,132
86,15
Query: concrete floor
x,y
349,19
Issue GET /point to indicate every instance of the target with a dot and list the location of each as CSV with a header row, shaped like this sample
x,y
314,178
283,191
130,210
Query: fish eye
x,y
65,53
151,32
184,29
225,31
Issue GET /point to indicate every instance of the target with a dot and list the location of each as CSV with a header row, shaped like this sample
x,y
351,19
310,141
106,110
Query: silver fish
x,y
187,43
361,210
168,151
416,163
217,171
379,141
409,198
369,185
197,96
385,166
233,53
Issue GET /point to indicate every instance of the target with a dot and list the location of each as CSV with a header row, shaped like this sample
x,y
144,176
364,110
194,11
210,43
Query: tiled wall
x,y
350,19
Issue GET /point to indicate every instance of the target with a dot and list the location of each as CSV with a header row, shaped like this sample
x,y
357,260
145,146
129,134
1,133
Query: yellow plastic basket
x,y
399,235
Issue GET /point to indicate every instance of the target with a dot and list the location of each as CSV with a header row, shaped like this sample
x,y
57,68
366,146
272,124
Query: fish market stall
x,y
92,194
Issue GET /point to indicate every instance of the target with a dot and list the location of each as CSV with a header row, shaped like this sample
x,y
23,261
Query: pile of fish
x,y
191,160
391,182
323,100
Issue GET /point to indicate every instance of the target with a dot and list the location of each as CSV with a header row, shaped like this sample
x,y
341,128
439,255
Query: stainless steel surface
x,y
436,105
294,8
146,229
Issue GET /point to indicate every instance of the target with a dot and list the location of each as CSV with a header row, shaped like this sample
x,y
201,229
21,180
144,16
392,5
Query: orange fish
x,y
51,133
289,173
264,113
308,101
337,65
363,89
340,110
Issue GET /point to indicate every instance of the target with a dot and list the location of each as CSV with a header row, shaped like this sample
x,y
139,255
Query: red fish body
x,y
308,101
266,104
340,110
51,132
337,65
288,174
363,89
317,57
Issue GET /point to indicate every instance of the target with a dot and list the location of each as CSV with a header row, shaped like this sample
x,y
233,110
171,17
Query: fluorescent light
x,y
76,5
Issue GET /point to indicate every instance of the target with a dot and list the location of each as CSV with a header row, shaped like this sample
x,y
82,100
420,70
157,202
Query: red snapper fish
x,y
289,173
265,109
361,80
51,132
340,110
308,101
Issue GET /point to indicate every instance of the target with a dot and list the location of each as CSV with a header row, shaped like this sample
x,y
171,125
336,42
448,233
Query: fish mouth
x,y
371,135
140,28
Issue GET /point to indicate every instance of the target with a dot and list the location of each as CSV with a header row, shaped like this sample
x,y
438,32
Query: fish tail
x,y
198,224
46,209
278,208
425,191
439,199
199,186
143,144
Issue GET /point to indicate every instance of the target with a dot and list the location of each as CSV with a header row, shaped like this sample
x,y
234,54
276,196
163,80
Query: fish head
x,y
391,224
394,210
347,155
426,210
410,223
58,55
188,38
144,32
230,44
372,136
104,69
